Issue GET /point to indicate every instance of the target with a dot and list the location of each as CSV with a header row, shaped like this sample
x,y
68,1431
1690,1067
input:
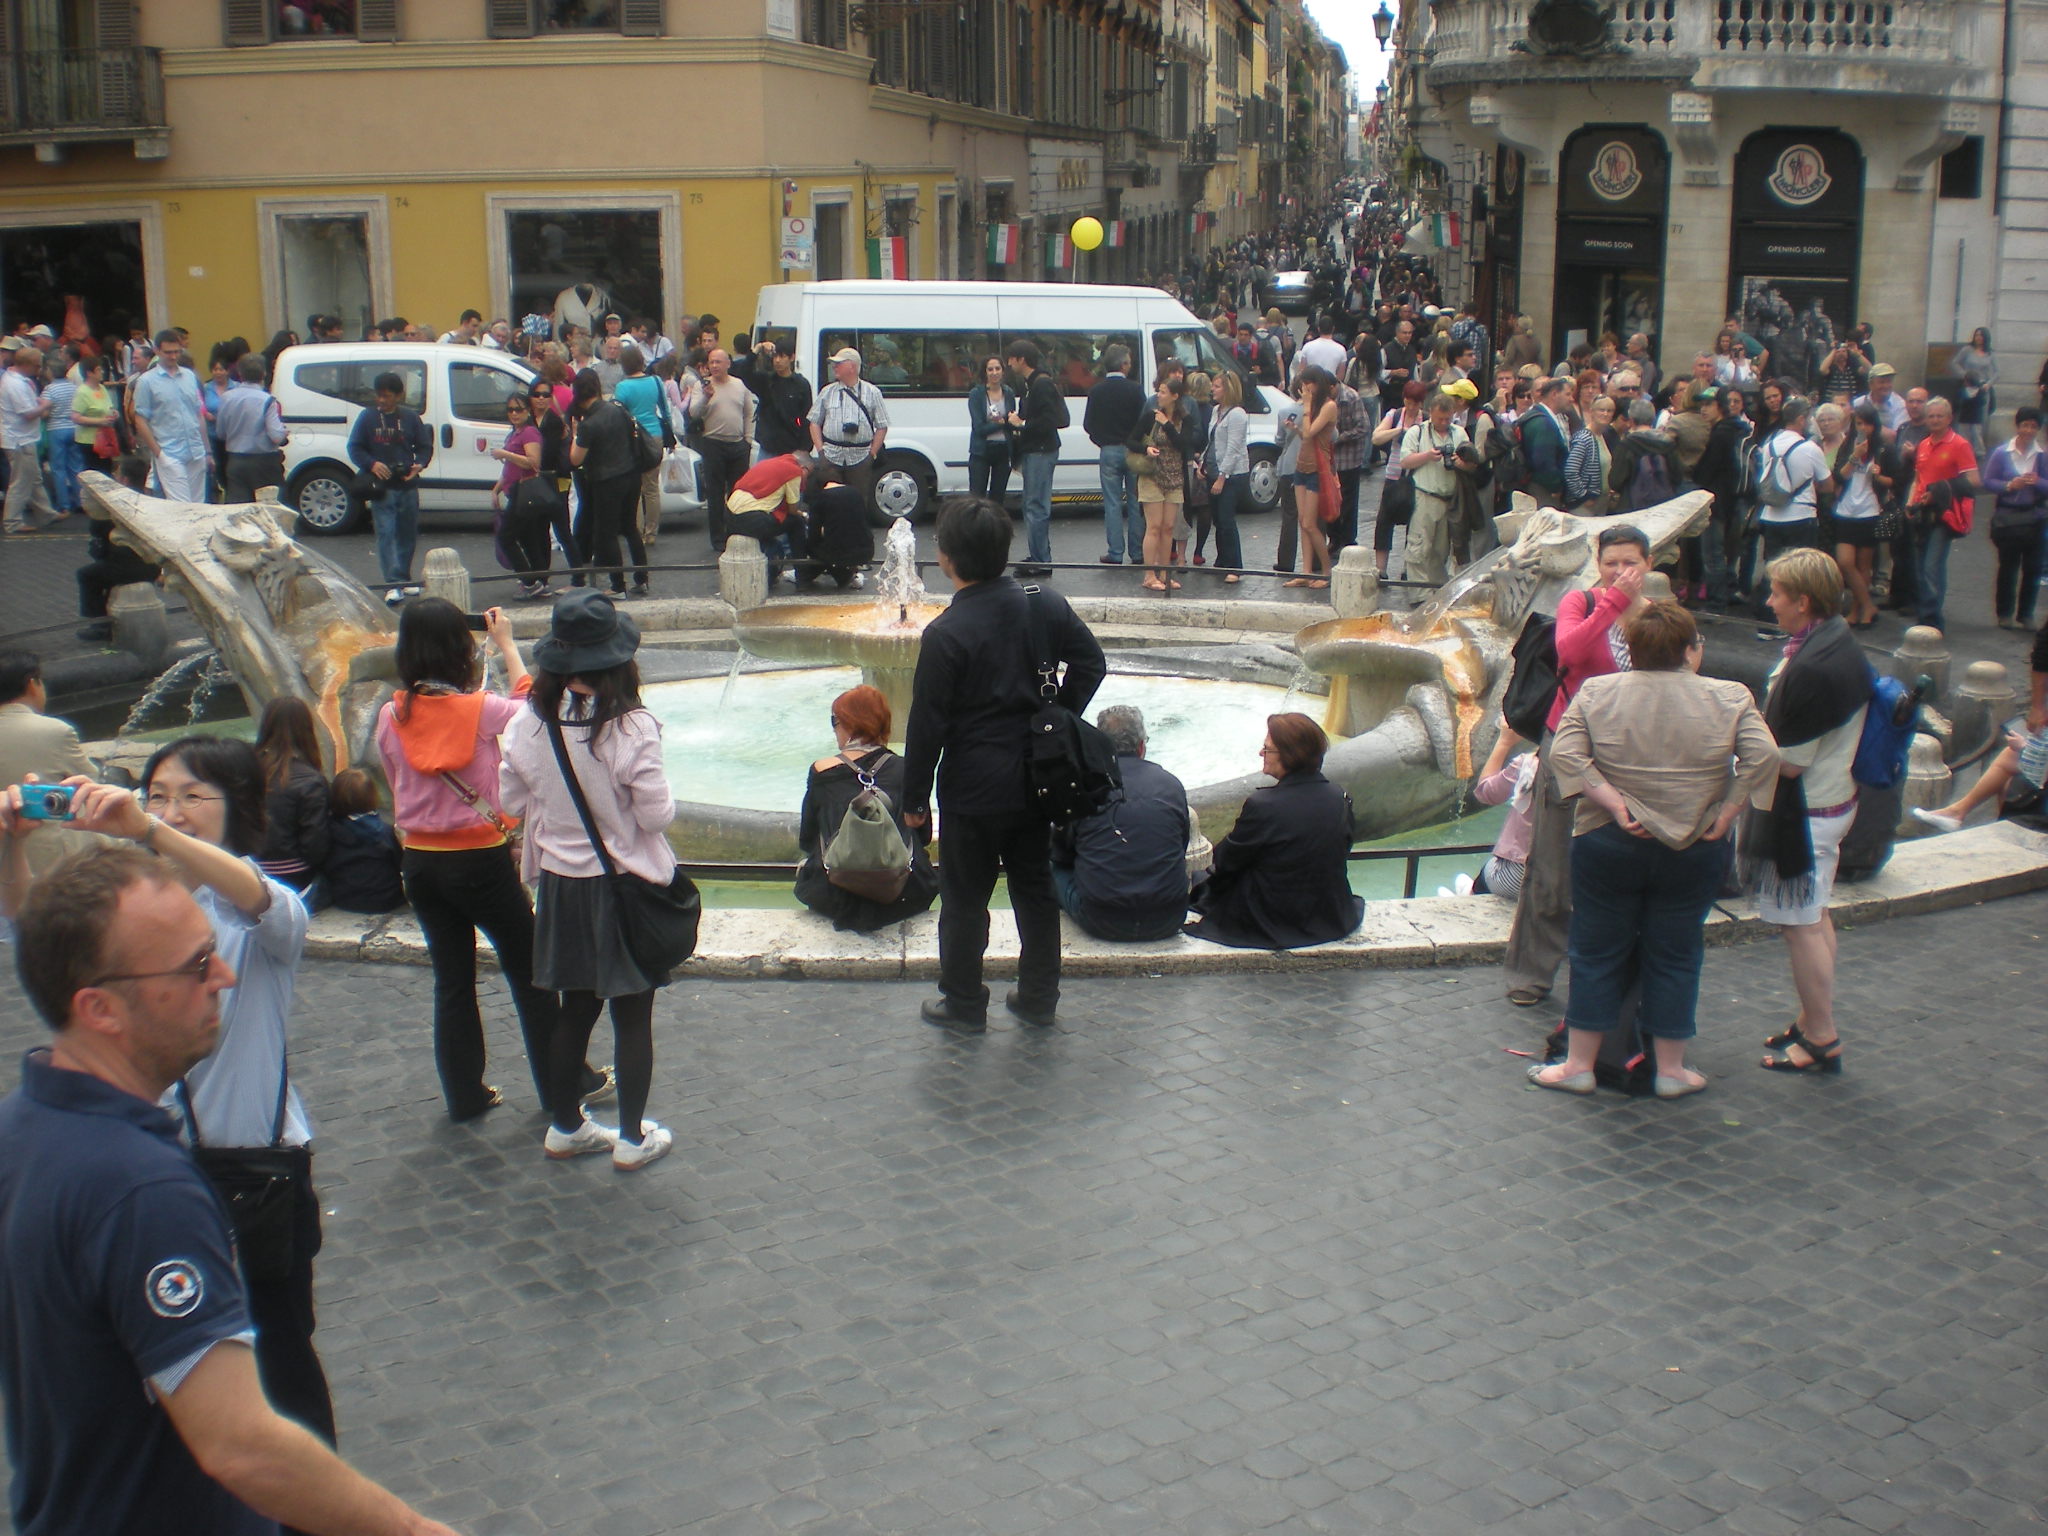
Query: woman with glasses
x,y
202,808
1281,878
522,529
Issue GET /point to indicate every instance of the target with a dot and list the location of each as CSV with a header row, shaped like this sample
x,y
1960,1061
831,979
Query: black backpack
x,y
1071,765
1532,688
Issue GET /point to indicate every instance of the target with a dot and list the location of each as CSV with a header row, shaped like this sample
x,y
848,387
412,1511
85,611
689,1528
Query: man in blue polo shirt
x,y
130,1389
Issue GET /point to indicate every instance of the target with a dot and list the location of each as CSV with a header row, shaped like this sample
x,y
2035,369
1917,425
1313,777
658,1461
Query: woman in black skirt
x,y
586,681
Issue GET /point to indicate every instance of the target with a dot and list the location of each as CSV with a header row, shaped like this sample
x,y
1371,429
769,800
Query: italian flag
x,y
1113,234
889,256
1005,244
1445,231
1059,251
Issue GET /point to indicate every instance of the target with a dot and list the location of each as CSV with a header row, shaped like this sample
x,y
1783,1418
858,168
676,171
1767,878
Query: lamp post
x,y
1383,25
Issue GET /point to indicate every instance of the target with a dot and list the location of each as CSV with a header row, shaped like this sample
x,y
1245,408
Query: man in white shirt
x,y
1325,352
170,420
1891,405
22,409
466,331
1792,462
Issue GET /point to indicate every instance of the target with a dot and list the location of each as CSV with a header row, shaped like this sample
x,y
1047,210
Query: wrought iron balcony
x,y
1860,45
50,97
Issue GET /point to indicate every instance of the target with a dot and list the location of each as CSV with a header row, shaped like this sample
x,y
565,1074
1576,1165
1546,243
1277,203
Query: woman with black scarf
x,y
1815,709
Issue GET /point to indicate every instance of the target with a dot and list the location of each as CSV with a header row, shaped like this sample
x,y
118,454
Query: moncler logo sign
x,y
1801,176
1615,173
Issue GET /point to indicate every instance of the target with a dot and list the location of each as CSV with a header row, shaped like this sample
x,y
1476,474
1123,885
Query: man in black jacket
x,y
1719,472
1122,874
782,423
976,689
1041,412
1114,406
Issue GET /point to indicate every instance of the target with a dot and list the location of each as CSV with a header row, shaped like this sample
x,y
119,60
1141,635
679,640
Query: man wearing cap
x,y
22,409
1891,405
850,423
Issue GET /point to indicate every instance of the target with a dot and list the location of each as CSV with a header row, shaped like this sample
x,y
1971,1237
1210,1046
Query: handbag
x,y
868,855
106,443
260,1186
657,922
1070,765
647,451
1397,500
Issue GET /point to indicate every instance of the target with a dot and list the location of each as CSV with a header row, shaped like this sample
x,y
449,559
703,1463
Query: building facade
x,y
1664,164
233,166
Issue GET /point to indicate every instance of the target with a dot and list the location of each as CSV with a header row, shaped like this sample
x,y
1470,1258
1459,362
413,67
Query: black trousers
x,y
612,512
723,464
1344,532
455,893
242,473
2019,572
98,578
973,849
286,1362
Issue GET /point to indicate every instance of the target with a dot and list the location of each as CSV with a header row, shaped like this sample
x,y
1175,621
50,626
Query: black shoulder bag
x,y
658,922
647,450
259,1186
1071,765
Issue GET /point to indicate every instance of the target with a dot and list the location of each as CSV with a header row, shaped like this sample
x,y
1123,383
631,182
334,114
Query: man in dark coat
x,y
1122,874
975,691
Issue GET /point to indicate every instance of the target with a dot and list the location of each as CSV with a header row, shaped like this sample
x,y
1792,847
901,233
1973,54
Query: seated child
x,y
362,858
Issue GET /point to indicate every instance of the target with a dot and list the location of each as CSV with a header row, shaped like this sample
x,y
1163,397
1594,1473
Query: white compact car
x,y
460,392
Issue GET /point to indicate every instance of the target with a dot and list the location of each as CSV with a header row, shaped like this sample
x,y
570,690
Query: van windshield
x,y
1201,350
906,363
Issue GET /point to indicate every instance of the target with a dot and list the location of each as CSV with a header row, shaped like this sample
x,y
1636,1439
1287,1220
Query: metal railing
x,y
46,91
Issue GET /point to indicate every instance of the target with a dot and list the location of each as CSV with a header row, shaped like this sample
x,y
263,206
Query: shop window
x,y
249,22
549,18
60,273
1962,169
478,392
323,268
576,265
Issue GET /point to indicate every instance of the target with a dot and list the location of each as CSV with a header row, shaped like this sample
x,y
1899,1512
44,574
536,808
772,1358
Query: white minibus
x,y
923,345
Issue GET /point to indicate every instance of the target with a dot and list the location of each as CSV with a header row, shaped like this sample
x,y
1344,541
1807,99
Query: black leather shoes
x,y
947,1014
1044,1018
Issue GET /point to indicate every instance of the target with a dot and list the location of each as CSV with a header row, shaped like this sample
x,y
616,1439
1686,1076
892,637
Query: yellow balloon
x,y
1086,234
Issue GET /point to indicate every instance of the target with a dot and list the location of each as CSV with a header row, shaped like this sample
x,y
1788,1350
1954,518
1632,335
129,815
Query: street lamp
x,y
1159,69
1383,25
1379,94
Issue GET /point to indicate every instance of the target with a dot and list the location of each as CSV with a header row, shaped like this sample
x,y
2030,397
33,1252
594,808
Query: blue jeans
x,y
1123,521
1639,913
66,460
1229,551
396,512
1934,548
1037,469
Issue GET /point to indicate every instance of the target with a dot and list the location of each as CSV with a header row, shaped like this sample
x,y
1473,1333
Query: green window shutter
x,y
245,23
114,25
377,21
641,18
509,18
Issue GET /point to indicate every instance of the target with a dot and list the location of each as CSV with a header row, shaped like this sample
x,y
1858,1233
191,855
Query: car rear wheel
x,y
1265,480
324,502
904,487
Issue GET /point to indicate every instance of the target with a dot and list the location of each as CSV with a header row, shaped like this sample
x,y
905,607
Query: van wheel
x,y
904,487
320,495
1265,480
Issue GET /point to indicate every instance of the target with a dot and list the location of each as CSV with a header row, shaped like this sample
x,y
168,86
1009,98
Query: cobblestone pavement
x,y
1295,1253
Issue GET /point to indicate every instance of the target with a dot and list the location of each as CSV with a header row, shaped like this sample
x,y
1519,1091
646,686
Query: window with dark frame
x,y
252,23
1962,170
554,18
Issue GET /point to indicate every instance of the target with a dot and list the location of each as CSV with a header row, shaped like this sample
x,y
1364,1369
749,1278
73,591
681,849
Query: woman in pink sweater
x,y
1589,644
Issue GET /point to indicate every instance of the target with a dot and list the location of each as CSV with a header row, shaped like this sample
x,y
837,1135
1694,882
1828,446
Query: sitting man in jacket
x,y
1122,874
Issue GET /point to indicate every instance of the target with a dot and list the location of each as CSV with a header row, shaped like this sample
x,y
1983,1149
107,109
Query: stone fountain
x,y
287,621
881,636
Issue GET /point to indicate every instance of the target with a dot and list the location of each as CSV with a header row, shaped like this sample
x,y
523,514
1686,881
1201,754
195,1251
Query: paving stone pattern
x,y
1222,1254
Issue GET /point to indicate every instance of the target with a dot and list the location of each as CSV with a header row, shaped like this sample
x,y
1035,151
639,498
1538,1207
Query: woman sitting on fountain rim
x,y
861,723
1281,878
1647,753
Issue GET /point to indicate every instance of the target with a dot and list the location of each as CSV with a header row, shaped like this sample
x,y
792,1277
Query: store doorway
x,y
78,279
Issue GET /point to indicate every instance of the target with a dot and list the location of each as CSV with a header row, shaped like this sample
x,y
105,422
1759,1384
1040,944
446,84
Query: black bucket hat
x,y
586,634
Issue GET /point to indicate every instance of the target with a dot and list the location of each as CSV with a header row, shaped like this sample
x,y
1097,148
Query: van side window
x,y
1201,350
477,392
906,364
1075,357
356,382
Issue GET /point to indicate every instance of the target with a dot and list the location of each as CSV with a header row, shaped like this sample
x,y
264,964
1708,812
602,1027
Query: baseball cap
x,y
1884,371
43,331
1464,389
11,343
846,355
1712,393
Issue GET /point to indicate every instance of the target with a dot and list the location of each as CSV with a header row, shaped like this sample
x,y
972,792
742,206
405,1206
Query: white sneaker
x,y
1939,822
654,1143
860,578
587,1137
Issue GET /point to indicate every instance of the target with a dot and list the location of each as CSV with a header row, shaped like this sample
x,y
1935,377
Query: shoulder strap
x,y
284,1082
865,778
1043,663
477,802
576,793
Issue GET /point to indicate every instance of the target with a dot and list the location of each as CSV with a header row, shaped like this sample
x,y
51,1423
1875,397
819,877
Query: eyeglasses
x,y
188,802
1269,750
195,969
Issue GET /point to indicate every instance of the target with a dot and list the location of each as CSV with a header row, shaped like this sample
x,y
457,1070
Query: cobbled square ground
x,y
1297,1253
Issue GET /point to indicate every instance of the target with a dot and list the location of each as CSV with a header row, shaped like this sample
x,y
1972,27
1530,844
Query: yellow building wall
x,y
214,283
